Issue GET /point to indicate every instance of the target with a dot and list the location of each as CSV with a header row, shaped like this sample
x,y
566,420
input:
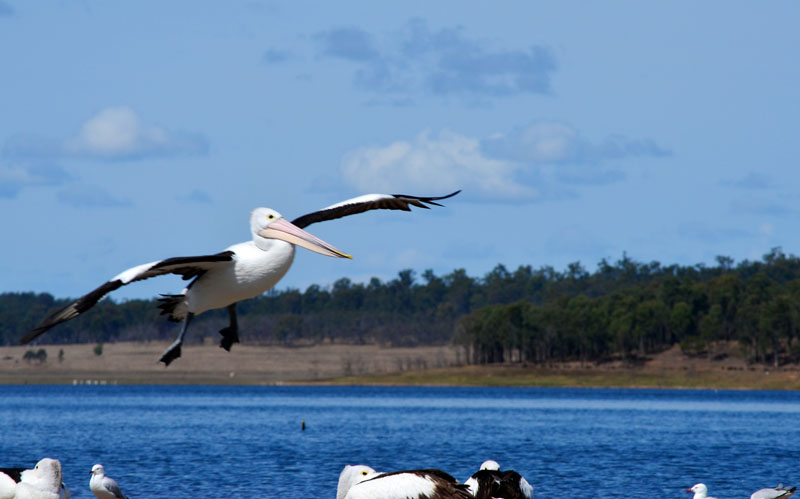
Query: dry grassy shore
x,y
136,363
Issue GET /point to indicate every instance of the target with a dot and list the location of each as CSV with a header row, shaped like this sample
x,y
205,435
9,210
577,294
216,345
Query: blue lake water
x,y
246,442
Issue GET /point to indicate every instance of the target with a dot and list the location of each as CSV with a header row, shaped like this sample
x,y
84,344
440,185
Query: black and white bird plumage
x,y
408,484
490,482
240,272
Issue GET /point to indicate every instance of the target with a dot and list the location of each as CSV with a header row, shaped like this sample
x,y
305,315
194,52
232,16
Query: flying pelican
x,y
700,491
240,272
779,492
102,486
489,482
362,482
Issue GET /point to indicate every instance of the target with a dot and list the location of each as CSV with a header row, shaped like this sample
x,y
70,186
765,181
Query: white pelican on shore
x,y
779,492
362,482
489,482
700,491
102,486
240,272
44,481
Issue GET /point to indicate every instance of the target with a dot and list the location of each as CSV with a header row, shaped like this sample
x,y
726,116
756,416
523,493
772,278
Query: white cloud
x,y
559,143
14,177
425,164
529,164
419,60
115,133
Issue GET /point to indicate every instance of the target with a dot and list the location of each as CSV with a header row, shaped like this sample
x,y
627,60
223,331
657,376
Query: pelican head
x,y
46,475
352,475
269,224
490,465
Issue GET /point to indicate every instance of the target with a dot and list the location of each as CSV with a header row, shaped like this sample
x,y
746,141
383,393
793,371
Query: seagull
x,y
242,271
44,481
700,491
779,492
489,482
410,484
102,486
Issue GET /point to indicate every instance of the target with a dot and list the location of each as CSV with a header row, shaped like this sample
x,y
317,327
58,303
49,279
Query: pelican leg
x,y
230,334
174,350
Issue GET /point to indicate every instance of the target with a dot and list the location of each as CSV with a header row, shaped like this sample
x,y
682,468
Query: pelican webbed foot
x,y
230,335
170,354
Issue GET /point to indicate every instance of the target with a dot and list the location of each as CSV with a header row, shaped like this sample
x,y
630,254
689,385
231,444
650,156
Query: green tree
x,y
680,321
650,325
780,322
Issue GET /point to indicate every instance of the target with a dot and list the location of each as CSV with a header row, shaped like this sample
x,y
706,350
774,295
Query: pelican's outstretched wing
x,y
366,203
185,266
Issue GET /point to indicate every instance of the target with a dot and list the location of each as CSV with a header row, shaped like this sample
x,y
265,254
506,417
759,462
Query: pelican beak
x,y
286,231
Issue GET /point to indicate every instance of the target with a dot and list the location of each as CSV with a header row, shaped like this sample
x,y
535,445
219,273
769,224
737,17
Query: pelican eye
x,y
270,217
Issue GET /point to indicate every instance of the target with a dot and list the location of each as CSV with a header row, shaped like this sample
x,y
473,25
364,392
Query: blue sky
x,y
135,131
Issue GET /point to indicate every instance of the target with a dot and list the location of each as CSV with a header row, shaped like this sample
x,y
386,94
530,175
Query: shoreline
x,y
371,365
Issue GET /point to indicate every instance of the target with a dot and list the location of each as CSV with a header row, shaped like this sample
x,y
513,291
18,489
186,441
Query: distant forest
x,y
626,309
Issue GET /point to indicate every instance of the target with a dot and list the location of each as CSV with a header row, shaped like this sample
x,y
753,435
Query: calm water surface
x,y
239,442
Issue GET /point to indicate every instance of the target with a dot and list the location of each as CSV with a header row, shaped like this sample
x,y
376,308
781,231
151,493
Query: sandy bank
x,y
129,363
136,363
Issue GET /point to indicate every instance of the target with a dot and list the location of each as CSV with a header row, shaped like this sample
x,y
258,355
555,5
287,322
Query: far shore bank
x,y
512,376
136,363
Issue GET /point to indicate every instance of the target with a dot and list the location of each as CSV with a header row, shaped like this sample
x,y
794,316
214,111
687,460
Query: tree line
x,y
631,310
625,309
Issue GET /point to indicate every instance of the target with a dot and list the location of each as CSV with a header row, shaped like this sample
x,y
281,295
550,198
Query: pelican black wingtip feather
x,y
427,199
72,310
402,202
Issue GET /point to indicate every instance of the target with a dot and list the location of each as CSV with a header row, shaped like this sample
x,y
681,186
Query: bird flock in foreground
x,y
45,481
363,482
780,492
